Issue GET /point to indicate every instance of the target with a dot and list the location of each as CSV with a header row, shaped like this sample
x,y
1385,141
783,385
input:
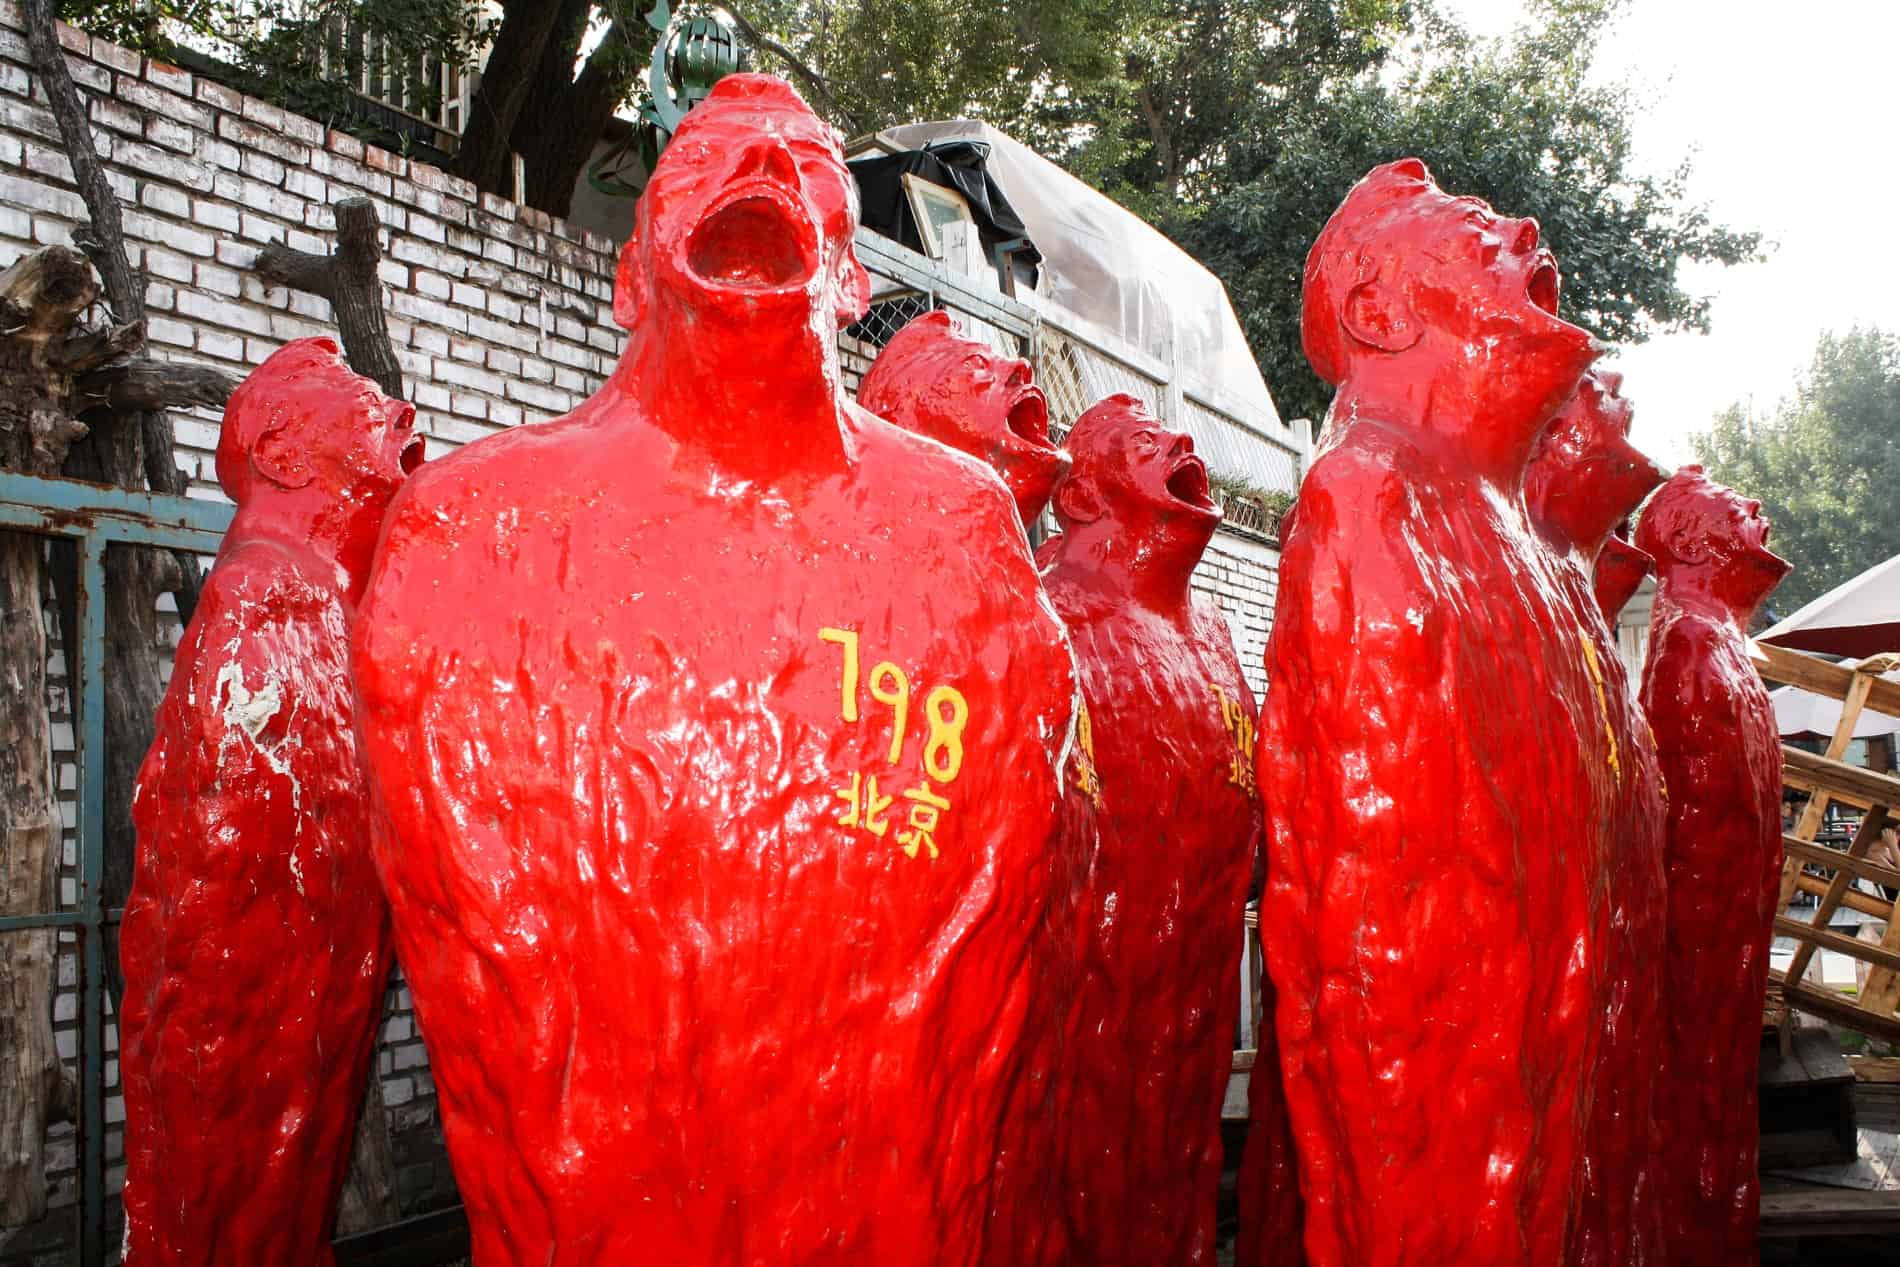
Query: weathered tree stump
x,y
42,299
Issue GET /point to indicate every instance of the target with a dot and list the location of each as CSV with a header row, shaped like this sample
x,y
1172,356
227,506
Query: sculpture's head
x,y
749,214
1410,283
1706,534
931,380
1585,476
1138,480
1620,570
305,424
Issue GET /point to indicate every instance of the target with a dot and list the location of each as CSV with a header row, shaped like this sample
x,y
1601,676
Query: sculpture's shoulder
x,y
932,474
1360,547
1215,638
1690,674
539,455
1078,596
258,590
1367,481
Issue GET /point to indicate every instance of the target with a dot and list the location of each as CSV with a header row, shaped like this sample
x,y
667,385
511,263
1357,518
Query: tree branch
x,y
146,384
123,292
347,278
816,83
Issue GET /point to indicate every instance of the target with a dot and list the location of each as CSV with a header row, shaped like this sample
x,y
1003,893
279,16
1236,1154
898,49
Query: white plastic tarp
x,y
1110,267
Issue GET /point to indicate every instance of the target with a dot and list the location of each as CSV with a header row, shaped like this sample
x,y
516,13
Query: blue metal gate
x,y
92,517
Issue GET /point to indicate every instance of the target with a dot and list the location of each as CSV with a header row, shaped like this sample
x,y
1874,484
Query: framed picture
x,y
935,206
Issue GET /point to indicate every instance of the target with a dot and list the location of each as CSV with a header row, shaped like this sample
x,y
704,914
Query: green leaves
x,y
1516,122
1823,463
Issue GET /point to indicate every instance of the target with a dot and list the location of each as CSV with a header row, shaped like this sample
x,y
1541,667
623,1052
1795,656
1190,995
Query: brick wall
x,y
1240,574
500,315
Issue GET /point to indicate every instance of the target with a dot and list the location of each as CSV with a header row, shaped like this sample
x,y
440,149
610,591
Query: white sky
x,y
1786,111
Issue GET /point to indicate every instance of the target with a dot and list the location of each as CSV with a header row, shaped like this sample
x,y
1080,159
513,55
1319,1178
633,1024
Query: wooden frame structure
x,y
1827,779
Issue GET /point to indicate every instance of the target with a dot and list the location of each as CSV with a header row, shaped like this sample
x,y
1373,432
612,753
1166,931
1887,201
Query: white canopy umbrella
x,y
1802,713
1860,617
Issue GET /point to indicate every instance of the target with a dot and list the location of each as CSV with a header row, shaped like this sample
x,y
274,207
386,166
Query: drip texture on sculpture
x,y
721,800
256,940
1425,643
1584,478
934,380
1163,814
1721,759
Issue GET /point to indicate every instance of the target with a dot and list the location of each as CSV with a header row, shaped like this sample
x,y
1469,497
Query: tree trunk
x,y
559,142
29,882
41,298
347,278
514,62
368,1198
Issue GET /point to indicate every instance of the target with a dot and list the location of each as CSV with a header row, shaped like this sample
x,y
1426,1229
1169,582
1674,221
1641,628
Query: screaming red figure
x,y
1584,478
1271,1218
1171,834
719,727
1721,759
1434,756
931,380
256,940
1620,570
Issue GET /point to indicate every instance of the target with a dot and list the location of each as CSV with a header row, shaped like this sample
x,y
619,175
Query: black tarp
x,y
958,165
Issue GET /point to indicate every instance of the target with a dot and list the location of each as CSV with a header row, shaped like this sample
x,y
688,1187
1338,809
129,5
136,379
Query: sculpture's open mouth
x,y
1543,284
753,241
1188,482
411,456
1028,418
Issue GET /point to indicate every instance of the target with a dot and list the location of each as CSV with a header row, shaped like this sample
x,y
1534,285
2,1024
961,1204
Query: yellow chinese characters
x,y
1240,729
1088,780
946,715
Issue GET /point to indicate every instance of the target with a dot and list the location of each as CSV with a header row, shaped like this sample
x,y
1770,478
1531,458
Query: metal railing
x,y
92,517
1076,364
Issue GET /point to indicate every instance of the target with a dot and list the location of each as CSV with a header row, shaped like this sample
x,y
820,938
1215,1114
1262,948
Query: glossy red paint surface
x,y
1584,478
1721,758
1272,1220
719,726
1165,813
256,940
933,380
1619,573
1433,754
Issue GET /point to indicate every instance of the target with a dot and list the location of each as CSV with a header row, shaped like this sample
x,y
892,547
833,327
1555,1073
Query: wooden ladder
x,y
1827,779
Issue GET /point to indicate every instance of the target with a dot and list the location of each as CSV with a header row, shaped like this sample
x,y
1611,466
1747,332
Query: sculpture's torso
x,y
1716,735
1618,1223
255,941
1437,782
679,1011
1169,843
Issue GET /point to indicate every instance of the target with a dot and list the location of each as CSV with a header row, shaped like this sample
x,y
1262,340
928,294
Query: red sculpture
x,y
1721,759
1584,478
718,726
256,940
1271,1217
1619,573
1434,757
932,380
1166,766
